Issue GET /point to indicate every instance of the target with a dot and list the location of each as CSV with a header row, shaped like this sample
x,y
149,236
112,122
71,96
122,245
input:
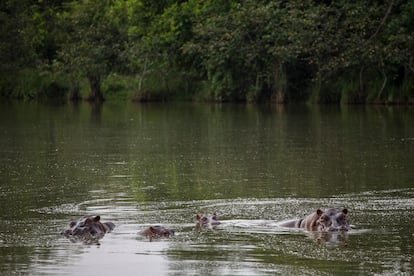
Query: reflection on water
x,y
144,165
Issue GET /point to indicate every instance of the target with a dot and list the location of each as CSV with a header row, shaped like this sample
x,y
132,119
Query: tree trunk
x,y
74,92
361,83
384,83
142,76
96,94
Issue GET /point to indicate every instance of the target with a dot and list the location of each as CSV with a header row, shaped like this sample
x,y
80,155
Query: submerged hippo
x,y
88,228
207,221
157,231
327,220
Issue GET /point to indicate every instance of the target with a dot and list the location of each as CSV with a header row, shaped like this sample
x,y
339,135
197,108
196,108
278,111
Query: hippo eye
x,y
341,218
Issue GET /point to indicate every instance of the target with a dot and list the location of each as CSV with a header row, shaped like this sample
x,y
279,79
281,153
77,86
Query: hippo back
x,y
291,223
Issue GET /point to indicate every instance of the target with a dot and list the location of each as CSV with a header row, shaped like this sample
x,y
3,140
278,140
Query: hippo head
x,y
88,227
159,231
207,220
340,221
333,220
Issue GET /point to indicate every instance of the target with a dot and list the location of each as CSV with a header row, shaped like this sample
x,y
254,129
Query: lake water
x,y
141,165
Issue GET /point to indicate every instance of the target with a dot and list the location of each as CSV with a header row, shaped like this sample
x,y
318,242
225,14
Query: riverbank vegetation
x,y
209,50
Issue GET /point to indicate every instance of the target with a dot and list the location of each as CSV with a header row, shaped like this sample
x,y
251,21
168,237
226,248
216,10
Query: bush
x,y
29,84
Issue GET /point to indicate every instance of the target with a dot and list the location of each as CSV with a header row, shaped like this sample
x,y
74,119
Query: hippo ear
x,y
154,231
345,211
97,218
319,212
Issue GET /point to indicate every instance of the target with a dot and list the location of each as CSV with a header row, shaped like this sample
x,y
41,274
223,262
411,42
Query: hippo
x,y
157,231
88,228
327,220
207,221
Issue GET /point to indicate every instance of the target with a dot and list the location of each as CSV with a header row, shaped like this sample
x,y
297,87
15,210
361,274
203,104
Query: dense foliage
x,y
216,50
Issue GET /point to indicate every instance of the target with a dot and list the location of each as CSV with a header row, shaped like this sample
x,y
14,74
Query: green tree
x,y
27,47
230,50
93,41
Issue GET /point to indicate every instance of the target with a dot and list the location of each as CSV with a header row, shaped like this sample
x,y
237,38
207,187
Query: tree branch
x,y
382,21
